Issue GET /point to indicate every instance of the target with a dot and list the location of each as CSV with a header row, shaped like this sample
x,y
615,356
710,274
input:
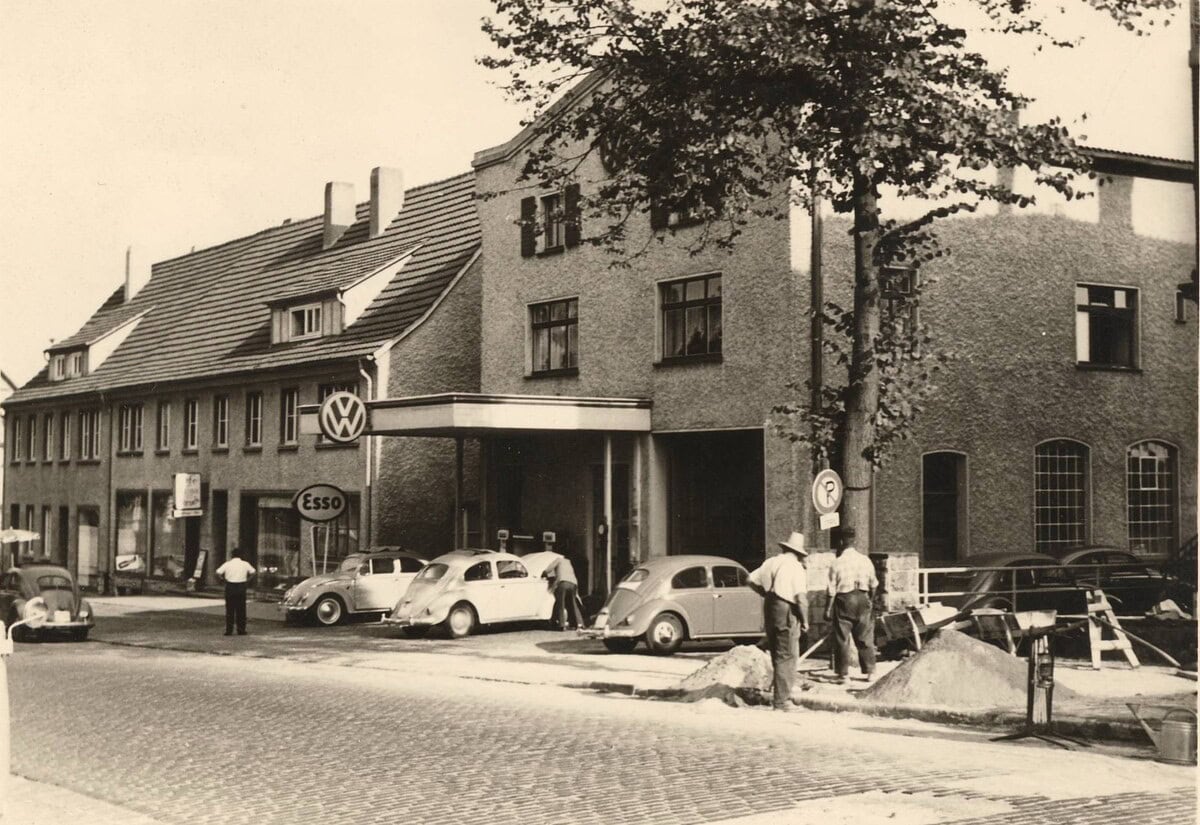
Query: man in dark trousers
x,y
566,593
852,584
236,572
782,581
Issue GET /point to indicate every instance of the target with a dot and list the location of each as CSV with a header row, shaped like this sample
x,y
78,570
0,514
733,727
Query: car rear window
x,y
690,579
433,572
46,583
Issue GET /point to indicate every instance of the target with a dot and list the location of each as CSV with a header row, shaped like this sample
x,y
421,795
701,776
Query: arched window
x,y
1151,488
1060,495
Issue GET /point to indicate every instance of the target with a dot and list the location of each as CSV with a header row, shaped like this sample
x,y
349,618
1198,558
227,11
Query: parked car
x,y
48,591
364,583
1181,570
1044,584
670,599
462,590
1131,586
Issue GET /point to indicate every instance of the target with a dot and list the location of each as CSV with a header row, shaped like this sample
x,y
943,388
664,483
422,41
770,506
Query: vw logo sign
x,y
343,417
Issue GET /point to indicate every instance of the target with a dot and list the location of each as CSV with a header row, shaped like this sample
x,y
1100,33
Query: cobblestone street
x,y
191,738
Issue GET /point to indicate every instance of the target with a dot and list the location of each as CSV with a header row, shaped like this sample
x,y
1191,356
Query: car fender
x,y
342,589
644,613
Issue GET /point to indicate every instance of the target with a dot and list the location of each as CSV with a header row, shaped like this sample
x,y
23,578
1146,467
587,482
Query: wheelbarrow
x,y
1176,739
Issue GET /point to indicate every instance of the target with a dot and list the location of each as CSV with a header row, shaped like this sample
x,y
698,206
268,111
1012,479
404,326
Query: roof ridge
x,y
290,223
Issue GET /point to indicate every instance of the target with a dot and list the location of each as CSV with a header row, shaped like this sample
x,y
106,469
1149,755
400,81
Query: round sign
x,y
319,502
827,491
343,417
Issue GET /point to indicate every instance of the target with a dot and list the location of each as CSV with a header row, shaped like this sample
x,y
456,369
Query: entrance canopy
x,y
477,414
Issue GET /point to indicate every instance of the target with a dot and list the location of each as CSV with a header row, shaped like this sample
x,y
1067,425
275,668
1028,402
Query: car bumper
x,y
411,621
294,608
609,632
51,627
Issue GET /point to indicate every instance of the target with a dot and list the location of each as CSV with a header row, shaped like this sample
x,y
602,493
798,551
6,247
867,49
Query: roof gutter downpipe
x,y
369,479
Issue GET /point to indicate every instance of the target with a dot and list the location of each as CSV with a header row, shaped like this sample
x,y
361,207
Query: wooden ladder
x,y
1098,607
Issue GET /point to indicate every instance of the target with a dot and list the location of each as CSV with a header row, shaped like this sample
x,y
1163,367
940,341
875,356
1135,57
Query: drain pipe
x,y
368,483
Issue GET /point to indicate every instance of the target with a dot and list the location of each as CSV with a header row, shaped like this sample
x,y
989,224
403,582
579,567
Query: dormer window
x,y
304,322
58,367
74,364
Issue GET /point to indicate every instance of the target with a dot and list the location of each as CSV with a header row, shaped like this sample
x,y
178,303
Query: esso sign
x,y
320,502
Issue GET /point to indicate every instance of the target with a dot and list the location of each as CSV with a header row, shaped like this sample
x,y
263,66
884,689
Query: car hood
x,y
419,595
323,579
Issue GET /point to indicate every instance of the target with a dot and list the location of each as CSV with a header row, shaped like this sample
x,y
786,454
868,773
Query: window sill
x,y
252,448
684,360
333,445
567,372
287,448
162,452
64,461
552,250
189,451
85,461
129,454
219,451
1106,368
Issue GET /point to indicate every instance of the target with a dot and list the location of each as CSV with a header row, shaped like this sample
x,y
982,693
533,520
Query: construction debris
x,y
955,670
745,666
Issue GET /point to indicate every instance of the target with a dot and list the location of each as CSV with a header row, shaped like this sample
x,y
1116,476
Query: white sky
x,y
168,125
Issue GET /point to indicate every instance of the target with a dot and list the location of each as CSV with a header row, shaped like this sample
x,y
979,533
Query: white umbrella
x,y
11,534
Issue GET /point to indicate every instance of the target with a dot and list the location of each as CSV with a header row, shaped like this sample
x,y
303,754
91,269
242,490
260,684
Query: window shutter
x,y
528,227
574,231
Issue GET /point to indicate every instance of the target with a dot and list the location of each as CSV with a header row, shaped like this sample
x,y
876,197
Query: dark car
x,y
1181,572
44,591
1131,586
1012,581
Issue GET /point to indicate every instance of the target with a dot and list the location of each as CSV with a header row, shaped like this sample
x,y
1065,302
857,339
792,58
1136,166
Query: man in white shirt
x,y
852,584
783,583
235,572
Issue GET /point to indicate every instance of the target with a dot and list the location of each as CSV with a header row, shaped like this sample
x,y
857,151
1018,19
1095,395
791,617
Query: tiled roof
x,y
207,315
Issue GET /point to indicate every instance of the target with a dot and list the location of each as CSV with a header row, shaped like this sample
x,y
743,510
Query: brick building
x,y
203,369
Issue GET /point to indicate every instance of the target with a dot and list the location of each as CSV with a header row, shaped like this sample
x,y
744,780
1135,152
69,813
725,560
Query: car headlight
x,y
85,610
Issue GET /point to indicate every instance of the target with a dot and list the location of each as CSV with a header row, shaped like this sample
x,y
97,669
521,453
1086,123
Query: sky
x,y
164,125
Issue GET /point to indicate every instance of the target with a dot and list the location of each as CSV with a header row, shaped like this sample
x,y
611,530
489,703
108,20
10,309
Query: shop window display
x,y
131,533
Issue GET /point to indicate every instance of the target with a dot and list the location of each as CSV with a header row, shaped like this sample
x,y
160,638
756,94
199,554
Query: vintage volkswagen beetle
x,y
364,583
47,591
467,588
670,599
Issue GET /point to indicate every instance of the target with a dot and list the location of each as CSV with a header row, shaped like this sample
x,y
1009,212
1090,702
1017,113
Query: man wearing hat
x,y
783,583
852,584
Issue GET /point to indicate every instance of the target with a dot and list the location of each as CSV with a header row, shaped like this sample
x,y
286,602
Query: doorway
x,y
943,507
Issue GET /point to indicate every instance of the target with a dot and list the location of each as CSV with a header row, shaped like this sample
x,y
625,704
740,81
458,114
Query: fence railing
x,y
1005,582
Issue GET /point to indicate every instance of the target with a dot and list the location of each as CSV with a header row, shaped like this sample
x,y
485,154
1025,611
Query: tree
x,y
713,106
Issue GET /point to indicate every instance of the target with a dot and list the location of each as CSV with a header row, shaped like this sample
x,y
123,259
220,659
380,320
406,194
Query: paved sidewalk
x,y
31,802
536,656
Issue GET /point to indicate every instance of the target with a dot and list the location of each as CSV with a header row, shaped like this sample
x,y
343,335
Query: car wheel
x,y
461,621
620,645
329,610
665,634
416,631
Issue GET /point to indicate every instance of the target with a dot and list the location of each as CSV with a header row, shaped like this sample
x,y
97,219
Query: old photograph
x,y
656,412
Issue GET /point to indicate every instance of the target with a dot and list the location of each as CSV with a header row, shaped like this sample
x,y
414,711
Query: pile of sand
x,y
745,666
958,671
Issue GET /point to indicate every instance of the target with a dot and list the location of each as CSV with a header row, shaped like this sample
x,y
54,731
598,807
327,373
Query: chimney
x,y
135,276
340,211
1116,201
387,198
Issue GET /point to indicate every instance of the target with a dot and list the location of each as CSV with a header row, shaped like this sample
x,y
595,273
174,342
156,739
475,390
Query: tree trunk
x,y
862,400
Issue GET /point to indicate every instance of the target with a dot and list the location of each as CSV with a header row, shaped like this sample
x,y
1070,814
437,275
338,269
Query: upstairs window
x,y
74,364
550,223
15,439
691,318
289,402
254,419
554,334
1106,326
89,435
31,439
898,287
64,437
130,439
48,437
191,424
304,322
221,422
163,430
58,367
